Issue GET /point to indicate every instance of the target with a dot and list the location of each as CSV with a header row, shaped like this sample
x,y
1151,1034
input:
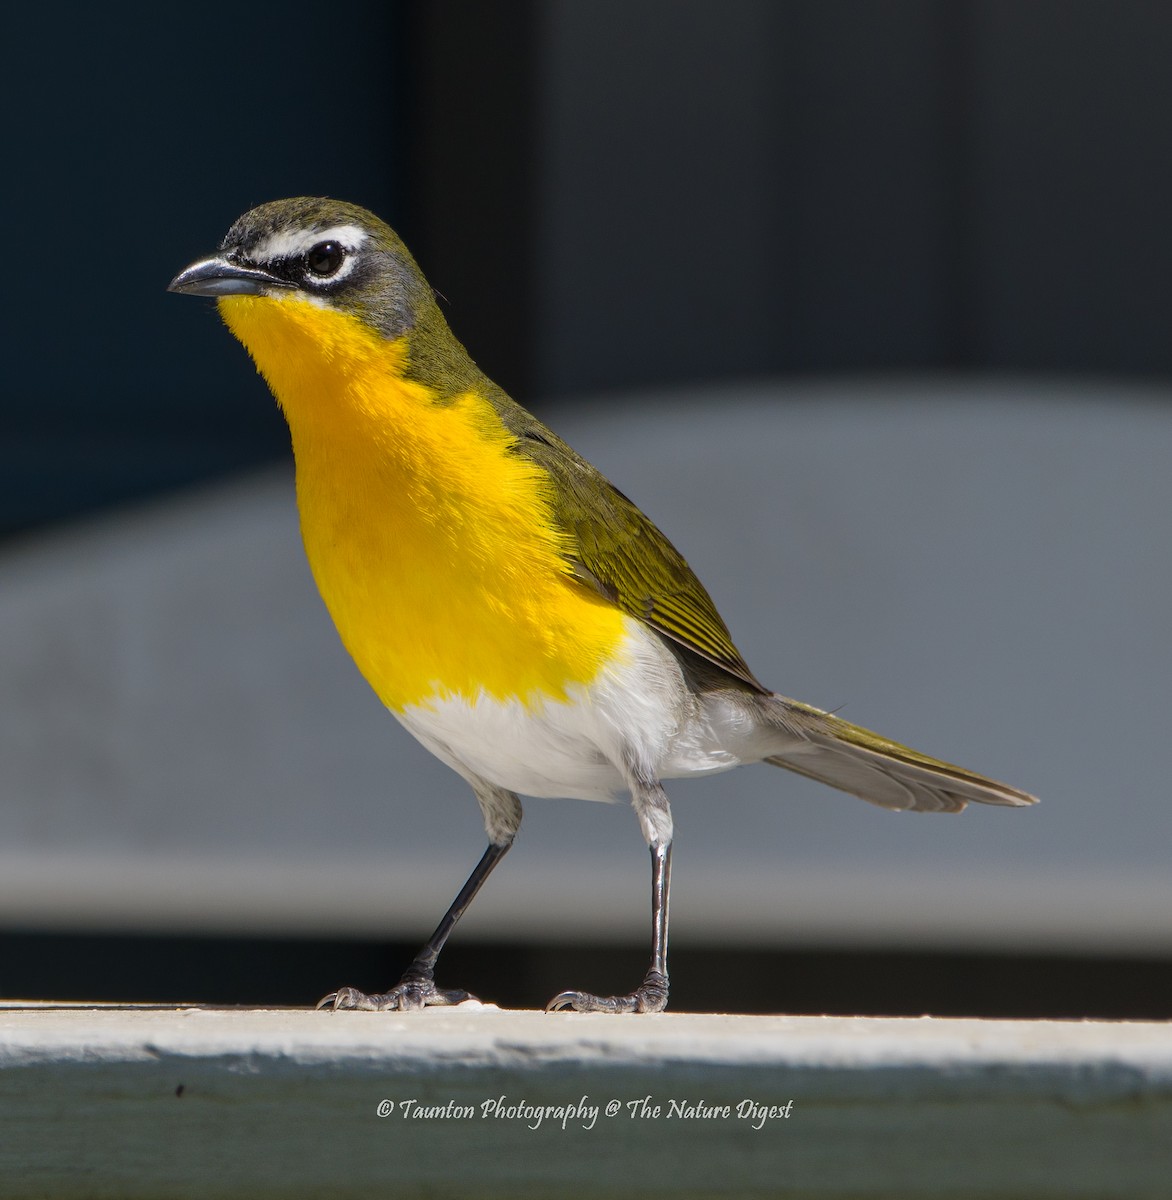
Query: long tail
x,y
867,765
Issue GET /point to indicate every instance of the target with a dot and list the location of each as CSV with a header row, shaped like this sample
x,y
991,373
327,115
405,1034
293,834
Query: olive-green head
x,y
333,253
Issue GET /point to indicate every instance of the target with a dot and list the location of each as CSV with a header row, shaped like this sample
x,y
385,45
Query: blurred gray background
x,y
865,304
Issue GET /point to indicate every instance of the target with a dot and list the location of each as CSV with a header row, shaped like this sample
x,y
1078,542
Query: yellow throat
x,y
431,541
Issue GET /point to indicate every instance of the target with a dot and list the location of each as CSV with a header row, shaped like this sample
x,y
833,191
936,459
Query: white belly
x,y
636,718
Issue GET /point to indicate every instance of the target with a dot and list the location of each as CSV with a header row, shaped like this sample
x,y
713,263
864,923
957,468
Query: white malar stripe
x,y
290,243
637,717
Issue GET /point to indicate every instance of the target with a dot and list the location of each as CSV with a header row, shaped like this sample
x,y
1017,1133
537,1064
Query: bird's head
x,y
319,289
325,252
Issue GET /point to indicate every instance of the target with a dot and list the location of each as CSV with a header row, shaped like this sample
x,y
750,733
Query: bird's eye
x,y
325,258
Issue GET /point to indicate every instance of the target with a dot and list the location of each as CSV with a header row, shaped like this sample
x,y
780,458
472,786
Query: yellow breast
x,y
430,540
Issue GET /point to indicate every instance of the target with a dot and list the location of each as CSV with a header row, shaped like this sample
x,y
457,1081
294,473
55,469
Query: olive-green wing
x,y
620,554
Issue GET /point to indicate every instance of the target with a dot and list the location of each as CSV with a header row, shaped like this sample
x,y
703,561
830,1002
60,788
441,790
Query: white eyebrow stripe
x,y
293,243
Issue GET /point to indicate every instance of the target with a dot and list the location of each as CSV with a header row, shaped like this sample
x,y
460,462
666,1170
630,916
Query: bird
x,y
514,610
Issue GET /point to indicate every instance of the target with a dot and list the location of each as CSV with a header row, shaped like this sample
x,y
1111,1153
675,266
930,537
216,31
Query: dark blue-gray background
x,y
610,193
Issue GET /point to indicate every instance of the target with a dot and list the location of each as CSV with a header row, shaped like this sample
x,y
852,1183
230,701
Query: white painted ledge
x,y
132,1101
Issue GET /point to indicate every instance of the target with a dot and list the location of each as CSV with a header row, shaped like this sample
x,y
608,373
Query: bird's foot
x,y
414,991
649,996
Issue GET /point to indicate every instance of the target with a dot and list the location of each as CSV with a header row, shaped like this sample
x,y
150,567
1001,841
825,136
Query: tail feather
x,y
874,768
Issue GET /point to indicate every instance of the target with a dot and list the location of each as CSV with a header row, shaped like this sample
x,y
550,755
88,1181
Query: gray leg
x,y
651,806
502,817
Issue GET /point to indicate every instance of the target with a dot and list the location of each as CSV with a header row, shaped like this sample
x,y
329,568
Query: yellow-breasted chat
x,y
513,609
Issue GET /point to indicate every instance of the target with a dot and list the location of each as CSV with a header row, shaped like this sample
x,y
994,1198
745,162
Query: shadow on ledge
x,y
290,971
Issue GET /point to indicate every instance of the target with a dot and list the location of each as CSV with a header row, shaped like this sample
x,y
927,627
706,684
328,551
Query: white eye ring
x,y
297,245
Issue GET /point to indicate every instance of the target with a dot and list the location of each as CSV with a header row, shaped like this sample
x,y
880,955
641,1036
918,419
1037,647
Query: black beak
x,y
219,277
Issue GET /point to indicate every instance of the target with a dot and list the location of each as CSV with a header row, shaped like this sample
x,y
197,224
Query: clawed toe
x,y
649,997
407,996
588,1002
